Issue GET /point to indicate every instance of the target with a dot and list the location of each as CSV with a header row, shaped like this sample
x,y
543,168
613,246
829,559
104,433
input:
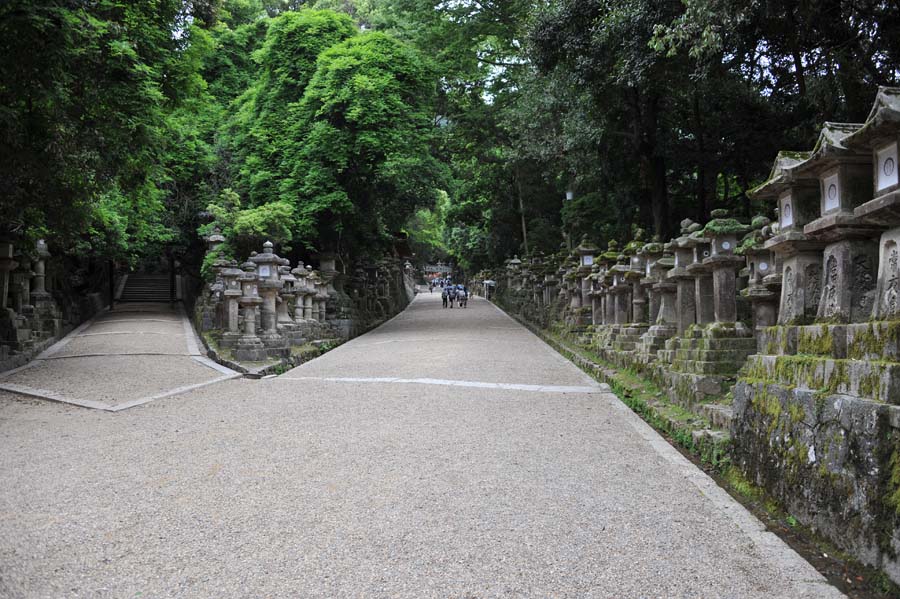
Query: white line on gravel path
x,y
454,383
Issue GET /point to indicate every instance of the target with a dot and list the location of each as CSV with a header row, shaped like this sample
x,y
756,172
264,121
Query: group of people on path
x,y
451,293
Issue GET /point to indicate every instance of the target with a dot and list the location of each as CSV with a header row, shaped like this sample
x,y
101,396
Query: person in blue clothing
x,y
462,296
449,295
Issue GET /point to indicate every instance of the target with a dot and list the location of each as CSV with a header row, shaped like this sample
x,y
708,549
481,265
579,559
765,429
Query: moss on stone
x,y
724,226
892,498
820,344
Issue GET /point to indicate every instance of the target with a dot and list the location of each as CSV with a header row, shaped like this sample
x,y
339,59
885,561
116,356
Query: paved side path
x,y
135,354
446,454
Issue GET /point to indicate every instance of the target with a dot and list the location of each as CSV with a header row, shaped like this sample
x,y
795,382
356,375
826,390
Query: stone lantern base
x,y
249,348
699,366
816,416
653,341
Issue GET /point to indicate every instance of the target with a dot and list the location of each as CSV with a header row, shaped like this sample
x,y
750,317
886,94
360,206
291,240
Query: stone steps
x,y
721,368
146,288
719,415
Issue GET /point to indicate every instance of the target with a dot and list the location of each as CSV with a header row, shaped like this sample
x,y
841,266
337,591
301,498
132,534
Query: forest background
x,y
130,128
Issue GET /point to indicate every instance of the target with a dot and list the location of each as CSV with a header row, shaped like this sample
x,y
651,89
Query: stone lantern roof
x,y
723,225
829,149
781,176
883,120
612,252
231,272
586,248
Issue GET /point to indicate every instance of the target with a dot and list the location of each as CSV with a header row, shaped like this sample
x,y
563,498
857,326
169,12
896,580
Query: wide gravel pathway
x,y
449,453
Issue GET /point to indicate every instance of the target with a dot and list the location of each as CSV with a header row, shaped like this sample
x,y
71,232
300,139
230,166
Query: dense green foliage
x,y
127,127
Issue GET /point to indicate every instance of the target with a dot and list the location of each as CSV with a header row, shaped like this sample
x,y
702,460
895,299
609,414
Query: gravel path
x,y
306,486
130,355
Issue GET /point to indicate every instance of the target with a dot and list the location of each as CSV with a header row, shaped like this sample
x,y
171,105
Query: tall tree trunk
x,y
522,211
652,191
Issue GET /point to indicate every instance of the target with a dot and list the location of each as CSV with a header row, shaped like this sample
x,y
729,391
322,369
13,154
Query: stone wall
x,y
787,330
264,309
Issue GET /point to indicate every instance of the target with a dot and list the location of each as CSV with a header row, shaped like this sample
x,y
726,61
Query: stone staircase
x,y
146,288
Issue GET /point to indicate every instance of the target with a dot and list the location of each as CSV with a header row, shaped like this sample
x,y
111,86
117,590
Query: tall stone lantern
x,y
685,298
231,278
723,233
608,301
850,257
703,280
249,347
664,324
797,198
650,253
586,251
759,264
881,137
39,295
268,264
286,299
302,311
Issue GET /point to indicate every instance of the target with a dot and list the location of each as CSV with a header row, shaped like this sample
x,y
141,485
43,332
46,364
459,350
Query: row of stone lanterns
x,y
268,306
803,312
29,315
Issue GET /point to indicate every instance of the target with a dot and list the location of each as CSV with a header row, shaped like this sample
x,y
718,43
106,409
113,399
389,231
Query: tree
x,y
360,154
84,90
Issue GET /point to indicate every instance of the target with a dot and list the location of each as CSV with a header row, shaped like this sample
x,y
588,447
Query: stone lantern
x,y
703,280
287,297
664,323
608,300
596,296
268,264
650,253
7,265
302,312
231,293
512,273
249,347
800,255
21,285
39,295
621,291
850,256
586,253
636,271
322,296
881,137
723,233
685,297
760,264
214,241
317,297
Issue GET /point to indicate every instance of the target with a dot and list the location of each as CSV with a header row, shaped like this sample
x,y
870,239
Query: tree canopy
x,y
333,125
